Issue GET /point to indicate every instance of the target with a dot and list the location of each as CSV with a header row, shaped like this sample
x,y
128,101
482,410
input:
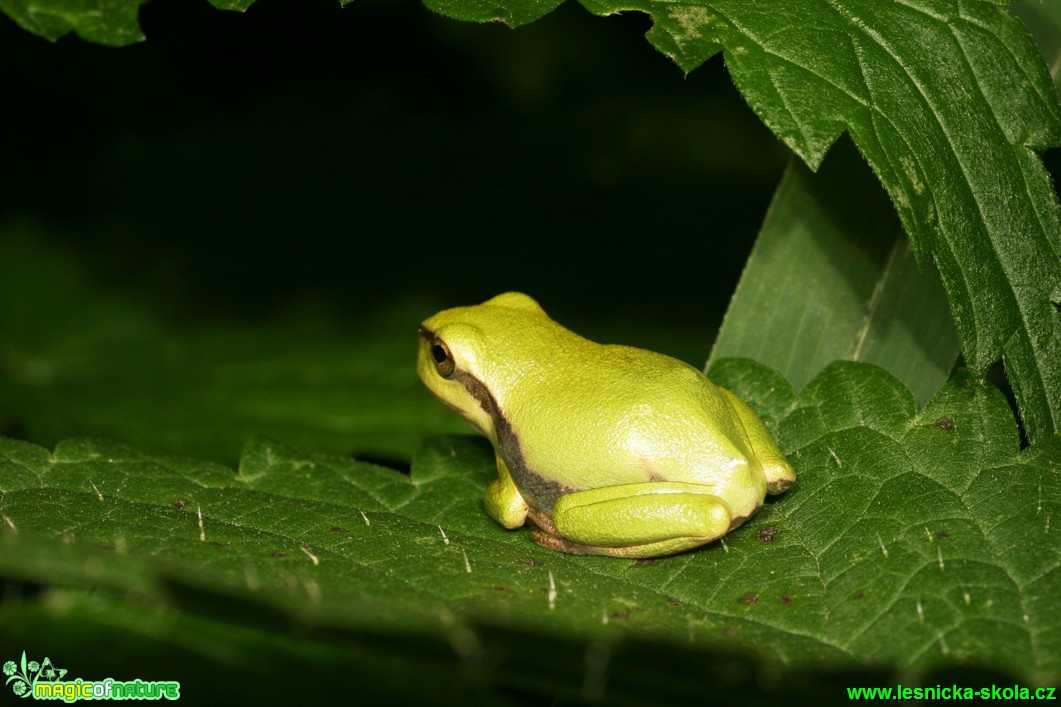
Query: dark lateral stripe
x,y
540,492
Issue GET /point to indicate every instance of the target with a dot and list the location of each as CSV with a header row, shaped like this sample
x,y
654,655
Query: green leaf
x,y
238,5
947,101
832,278
1043,20
221,661
110,22
911,539
512,14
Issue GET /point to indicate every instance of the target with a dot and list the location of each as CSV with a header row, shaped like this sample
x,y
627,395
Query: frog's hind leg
x,y
779,473
636,520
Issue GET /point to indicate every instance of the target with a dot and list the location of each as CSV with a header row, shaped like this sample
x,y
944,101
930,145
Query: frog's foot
x,y
779,473
503,500
635,520
657,549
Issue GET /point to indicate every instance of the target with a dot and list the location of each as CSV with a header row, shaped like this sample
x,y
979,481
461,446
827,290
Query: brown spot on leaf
x,y
942,535
531,561
279,553
768,534
645,561
179,503
945,425
749,598
671,601
338,529
786,599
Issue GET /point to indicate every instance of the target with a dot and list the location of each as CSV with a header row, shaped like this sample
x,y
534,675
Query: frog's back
x,y
640,416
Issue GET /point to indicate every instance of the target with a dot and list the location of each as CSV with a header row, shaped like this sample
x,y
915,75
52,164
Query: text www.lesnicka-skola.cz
x,y
952,692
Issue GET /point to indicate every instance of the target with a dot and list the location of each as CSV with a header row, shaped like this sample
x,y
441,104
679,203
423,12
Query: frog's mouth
x,y
464,414
458,409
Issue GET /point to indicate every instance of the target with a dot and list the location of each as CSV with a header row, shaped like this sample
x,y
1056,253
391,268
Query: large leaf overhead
x,y
857,294
948,100
112,22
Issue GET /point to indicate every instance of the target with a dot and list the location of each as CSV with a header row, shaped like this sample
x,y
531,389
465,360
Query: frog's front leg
x,y
636,520
503,500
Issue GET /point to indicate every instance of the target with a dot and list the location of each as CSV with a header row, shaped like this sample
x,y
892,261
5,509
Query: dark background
x,y
234,167
232,163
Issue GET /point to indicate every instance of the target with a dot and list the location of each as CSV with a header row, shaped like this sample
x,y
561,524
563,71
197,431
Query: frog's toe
x,y
505,504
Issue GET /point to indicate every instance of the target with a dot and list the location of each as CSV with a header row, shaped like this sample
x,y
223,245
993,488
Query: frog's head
x,y
464,355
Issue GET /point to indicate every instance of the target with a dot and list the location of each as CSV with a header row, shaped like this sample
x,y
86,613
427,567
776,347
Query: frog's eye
x,y
444,362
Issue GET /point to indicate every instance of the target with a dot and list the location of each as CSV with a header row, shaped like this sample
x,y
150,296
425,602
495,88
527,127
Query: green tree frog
x,y
608,450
